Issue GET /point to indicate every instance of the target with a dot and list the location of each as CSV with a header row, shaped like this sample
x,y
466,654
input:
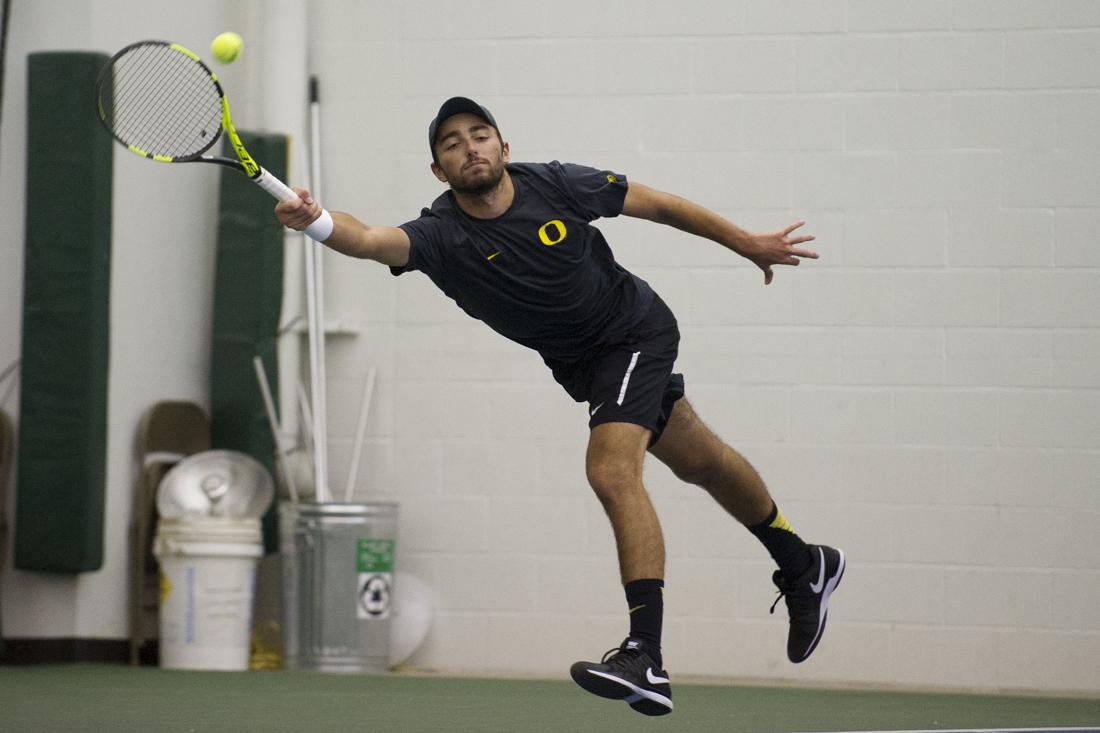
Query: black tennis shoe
x,y
627,673
808,600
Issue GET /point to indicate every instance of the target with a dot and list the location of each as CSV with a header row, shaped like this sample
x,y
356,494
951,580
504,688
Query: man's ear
x,y
438,173
504,152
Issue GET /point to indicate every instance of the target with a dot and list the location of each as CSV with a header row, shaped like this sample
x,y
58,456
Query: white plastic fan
x,y
217,483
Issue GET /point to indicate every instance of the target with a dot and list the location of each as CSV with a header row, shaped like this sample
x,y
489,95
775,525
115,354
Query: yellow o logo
x,y
544,235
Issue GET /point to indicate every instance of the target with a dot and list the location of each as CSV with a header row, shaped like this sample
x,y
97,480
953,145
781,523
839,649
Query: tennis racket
x,y
162,102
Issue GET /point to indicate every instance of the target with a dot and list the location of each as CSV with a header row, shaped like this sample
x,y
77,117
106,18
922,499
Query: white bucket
x,y
207,584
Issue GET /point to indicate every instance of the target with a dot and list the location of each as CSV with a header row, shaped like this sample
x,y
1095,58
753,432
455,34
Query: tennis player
x,y
513,245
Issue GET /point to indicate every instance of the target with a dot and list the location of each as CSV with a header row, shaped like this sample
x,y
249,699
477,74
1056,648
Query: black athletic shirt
x,y
539,274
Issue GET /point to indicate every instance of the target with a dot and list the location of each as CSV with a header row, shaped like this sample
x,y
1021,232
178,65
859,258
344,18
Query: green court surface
x,y
122,699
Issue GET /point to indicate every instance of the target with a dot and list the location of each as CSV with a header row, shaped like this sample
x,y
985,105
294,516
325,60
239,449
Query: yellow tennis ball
x,y
227,47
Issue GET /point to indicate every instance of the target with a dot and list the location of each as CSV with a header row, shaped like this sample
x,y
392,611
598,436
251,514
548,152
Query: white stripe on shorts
x,y
626,378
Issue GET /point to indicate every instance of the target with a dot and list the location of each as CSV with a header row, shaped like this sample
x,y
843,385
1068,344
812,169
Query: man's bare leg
x,y
616,452
613,464
697,456
807,574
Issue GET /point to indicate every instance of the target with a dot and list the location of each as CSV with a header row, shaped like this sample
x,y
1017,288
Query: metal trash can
x,y
343,560
288,559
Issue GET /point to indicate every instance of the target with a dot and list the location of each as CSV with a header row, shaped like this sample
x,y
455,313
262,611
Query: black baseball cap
x,y
455,106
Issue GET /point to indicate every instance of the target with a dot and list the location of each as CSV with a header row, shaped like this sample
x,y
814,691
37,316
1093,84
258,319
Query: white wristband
x,y
321,228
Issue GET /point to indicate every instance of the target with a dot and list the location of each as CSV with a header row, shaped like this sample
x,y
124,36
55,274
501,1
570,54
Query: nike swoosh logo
x,y
636,608
654,679
593,413
816,587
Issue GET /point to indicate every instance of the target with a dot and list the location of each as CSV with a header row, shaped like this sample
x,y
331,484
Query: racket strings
x,y
142,118
162,102
189,120
137,90
175,106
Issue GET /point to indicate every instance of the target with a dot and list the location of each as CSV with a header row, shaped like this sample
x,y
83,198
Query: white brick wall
x,y
924,395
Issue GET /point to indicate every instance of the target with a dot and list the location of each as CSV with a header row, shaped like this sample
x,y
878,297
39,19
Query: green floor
x,y
122,699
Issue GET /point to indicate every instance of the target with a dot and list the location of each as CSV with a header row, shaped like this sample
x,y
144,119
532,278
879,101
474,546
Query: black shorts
x,y
631,381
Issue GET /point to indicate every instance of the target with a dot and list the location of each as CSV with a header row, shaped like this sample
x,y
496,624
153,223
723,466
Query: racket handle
x,y
320,229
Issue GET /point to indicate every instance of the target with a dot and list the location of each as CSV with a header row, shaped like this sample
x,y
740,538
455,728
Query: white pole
x,y
315,265
8,370
269,408
307,424
316,345
360,431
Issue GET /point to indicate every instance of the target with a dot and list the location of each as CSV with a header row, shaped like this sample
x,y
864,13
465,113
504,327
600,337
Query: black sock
x,y
646,601
790,553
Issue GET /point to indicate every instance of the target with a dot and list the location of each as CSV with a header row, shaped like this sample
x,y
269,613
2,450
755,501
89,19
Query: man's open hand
x,y
778,248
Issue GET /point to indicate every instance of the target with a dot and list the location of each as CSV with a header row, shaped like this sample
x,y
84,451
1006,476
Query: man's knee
x,y
613,463
612,478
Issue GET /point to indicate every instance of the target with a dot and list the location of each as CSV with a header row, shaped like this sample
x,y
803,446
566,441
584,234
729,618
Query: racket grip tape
x,y
320,229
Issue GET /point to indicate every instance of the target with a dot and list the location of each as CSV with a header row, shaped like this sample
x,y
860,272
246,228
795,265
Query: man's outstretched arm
x,y
388,245
763,249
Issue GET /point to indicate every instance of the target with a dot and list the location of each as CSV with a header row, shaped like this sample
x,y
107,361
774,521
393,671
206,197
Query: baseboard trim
x,y
64,651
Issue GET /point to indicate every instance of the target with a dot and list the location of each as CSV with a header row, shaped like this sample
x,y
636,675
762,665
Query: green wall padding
x,y
248,297
66,313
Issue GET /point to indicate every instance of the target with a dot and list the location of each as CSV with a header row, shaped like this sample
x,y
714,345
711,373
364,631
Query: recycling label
x,y
374,566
